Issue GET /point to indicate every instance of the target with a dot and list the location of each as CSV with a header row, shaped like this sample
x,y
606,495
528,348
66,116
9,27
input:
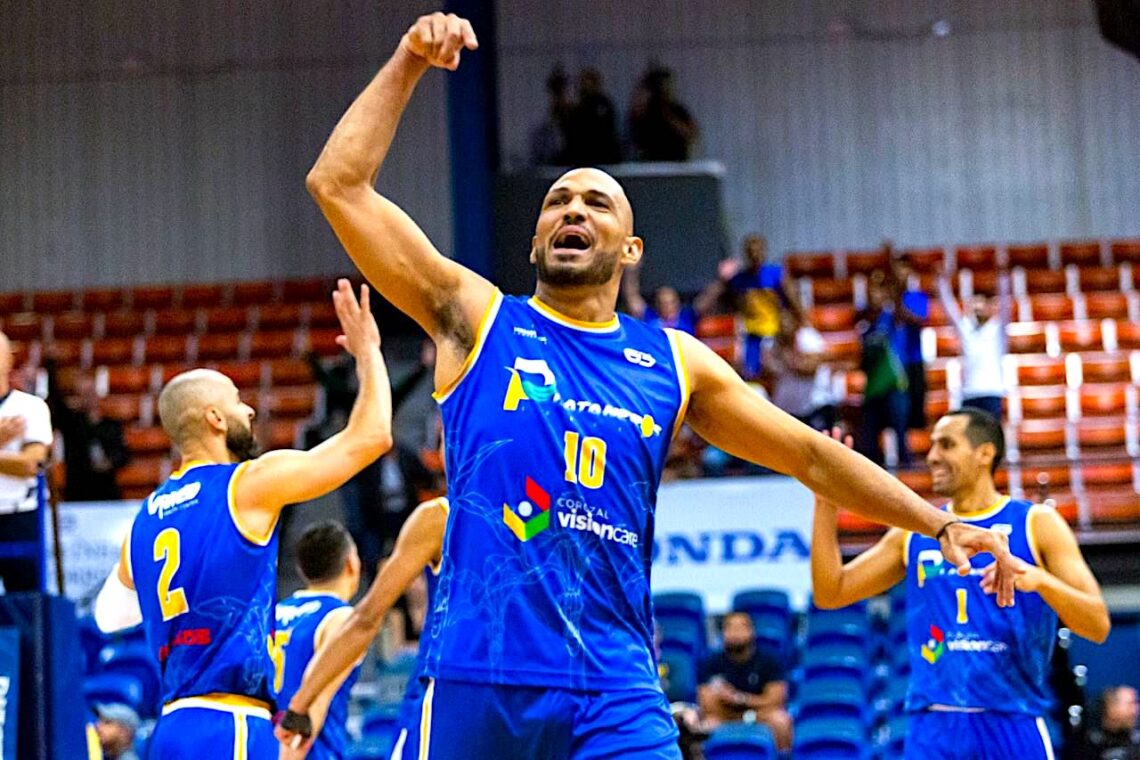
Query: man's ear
x,y
534,250
632,250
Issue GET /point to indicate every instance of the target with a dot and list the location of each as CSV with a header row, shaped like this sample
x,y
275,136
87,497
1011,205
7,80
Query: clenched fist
x,y
439,38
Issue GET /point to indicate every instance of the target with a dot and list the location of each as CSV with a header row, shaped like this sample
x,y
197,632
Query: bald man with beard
x,y
558,415
199,567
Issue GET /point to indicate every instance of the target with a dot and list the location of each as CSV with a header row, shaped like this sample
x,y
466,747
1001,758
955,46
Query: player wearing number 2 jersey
x,y
199,566
557,417
978,684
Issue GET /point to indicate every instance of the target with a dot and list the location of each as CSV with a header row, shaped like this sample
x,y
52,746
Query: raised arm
x,y
834,584
730,415
446,299
631,291
271,481
946,296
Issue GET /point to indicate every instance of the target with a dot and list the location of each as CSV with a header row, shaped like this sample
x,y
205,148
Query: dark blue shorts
x,y
465,721
935,735
223,732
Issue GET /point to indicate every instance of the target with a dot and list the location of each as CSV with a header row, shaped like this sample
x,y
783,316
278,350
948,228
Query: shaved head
x,y
599,180
187,401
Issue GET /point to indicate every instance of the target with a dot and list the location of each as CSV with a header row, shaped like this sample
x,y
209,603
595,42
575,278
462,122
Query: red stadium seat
x,y
811,265
151,297
1102,436
289,403
1114,507
175,321
1095,279
272,345
1103,399
1042,438
67,353
253,293
1128,334
918,441
919,481
125,408
986,281
219,348
323,342
53,301
322,316
23,327
290,372
1045,281
1043,401
167,371
936,375
843,348
1125,250
979,258
1106,305
947,342
1081,335
306,291
1026,337
281,434
1031,256
128,379
825,291
113,351
850,523
123,324
866,262
937,404
937,316
717,326
203,295
246,375
142,475
10,303
1034,369
72,324
160,349
1051,307
227,319
833,318
1084,253
927,260
103,299
1108,476
279,316
1106,368
1035,478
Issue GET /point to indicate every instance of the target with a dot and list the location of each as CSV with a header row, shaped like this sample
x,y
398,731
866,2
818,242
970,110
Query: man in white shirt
x,y
25,439
982,331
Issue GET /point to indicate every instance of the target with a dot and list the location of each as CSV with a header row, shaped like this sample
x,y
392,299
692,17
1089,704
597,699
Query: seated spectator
x,y
116,727
802,382
667,309
660,127
94,447
742,682
1117,736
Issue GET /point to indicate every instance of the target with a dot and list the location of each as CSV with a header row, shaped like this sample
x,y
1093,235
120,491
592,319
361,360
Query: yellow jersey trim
x,y
610,325
235,704
906,548
187,466
983,514
682,378
248,535
485,323
1031,532
425,720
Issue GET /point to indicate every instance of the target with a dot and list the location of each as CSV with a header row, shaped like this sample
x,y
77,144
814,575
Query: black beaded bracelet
x,y
938,535
298,723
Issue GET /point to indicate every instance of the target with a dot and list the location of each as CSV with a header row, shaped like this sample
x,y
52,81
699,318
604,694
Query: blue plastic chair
x,y
684,603
681,678
837,661
113,688
838,627
832,698
135,659
763,603
682,634
895,735
381,721
372,748
741,741
831,738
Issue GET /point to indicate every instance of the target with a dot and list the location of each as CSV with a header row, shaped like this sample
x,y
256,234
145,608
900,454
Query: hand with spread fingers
x,y
359,333
960,541
439,39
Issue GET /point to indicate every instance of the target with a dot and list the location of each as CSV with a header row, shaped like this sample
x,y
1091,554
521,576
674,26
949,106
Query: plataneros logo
x,y
531,516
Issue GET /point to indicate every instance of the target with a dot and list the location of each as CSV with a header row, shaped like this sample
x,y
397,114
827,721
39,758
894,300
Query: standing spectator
x,y
591,129
116,727
94,447
1117,737
741,681
802,382
548,139
660,127
912,313
982,331
25,440
885,400
667,309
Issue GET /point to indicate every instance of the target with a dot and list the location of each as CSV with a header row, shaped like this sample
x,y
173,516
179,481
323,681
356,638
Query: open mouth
x,y
571,238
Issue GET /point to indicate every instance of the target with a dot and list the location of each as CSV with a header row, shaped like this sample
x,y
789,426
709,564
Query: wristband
x,y
942,530
297,723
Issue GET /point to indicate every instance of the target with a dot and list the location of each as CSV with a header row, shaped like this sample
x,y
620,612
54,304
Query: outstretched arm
x,y
730,415
946,296
268,483
446,299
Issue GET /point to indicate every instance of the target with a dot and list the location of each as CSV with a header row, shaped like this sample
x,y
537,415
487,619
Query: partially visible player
x,y
199,566
419,548
979,673
306,624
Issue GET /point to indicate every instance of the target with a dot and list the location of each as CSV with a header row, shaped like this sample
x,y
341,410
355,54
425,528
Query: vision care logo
x,y
935,646
532,515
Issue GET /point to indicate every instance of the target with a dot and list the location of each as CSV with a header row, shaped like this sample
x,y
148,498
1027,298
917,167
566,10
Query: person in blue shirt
x,y
667,309
198,568
979,674
912,310
307,623
558,414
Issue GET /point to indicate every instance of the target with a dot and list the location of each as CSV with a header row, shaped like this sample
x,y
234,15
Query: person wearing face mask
x,y
981,327
198,567
743,679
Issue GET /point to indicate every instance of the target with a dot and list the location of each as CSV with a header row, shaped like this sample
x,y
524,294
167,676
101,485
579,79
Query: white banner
x,y
90,535
718,537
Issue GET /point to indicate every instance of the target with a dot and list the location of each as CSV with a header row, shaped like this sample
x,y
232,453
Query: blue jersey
x,y
299,621
965,651
205,586
556,436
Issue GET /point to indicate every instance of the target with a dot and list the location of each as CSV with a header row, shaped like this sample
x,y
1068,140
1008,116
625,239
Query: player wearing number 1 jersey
x,y
558,415
199,567
978,684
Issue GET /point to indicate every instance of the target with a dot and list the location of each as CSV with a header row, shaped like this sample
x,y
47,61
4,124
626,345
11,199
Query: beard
x,y
599,272
240,441
737,648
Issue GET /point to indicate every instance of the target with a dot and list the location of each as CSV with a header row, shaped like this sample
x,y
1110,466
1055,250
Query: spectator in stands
x,y
1117,737
548,139
116,726
591,127
660,127
912,313
886,404
758,291
667,309
742,682
981,328
94,447
802,382
25,440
